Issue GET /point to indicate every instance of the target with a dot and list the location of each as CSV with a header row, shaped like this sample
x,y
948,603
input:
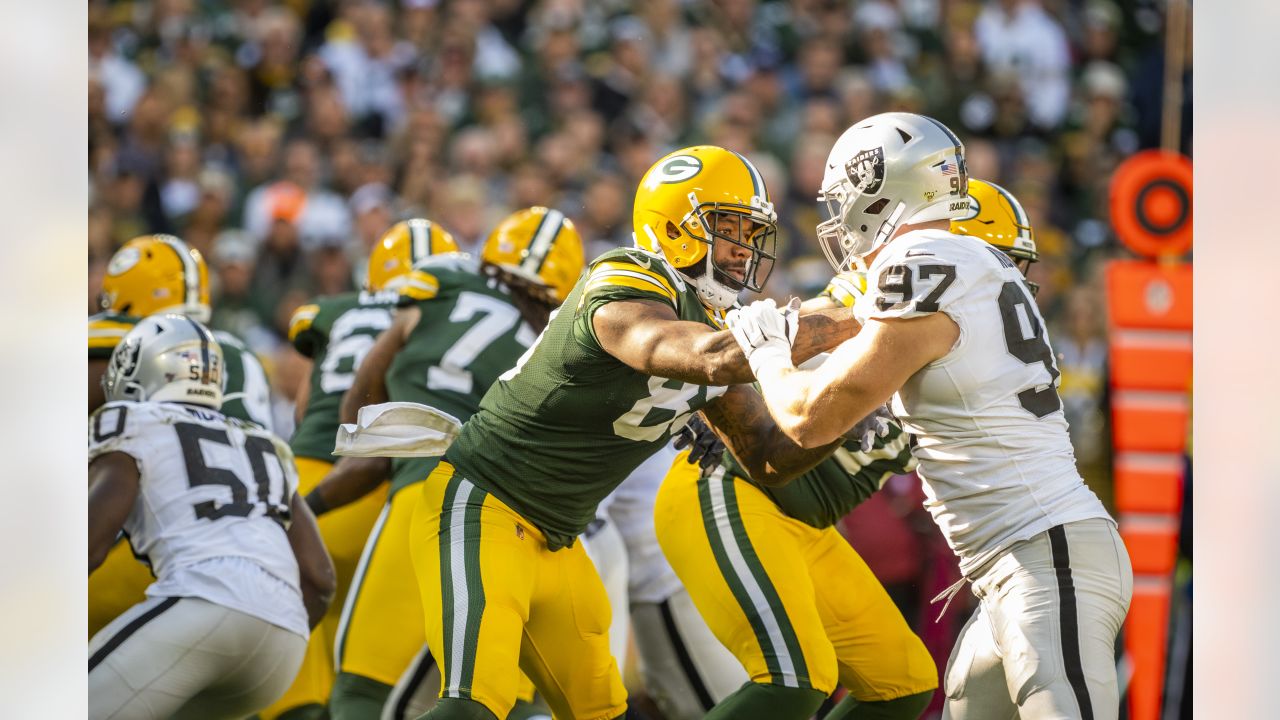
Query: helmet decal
x,y
866,171
124,261
548,229
975,207
676,169
420,234
190,270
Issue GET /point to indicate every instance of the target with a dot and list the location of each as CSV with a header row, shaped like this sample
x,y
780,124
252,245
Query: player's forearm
x,y
317,578
769,456
350,479
369,388
807,411
822,328
824,324
98,551
779,460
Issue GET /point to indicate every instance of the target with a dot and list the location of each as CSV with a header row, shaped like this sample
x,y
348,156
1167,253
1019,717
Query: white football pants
x,y
189,658
1041,645
685,668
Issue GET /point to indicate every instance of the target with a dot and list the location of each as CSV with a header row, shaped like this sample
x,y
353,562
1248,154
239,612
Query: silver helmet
x,y
888,170
166,358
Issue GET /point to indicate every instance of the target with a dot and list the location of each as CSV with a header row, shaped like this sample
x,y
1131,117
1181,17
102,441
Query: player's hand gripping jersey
x,y
992,440
212,507
335,332
247,395
835,486
567,399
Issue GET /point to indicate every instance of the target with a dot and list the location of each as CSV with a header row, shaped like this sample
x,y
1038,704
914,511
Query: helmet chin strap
x,y
713,292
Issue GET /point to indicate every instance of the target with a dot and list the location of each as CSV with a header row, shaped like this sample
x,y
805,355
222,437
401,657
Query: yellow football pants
x,y
796,605
117,585
344,531
495,599
381,629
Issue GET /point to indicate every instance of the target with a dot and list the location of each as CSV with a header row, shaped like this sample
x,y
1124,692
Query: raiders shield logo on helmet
x,y
866,171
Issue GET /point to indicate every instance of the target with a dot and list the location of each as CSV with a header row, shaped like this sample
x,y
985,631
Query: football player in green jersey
x,y
148,275
782,589
335,333
637,347
461,323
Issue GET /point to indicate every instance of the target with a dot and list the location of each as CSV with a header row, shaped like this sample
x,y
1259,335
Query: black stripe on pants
x,y
1067,617
130,629
682,653
401,708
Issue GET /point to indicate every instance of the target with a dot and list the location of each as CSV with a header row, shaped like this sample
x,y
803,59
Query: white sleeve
x,y
119,427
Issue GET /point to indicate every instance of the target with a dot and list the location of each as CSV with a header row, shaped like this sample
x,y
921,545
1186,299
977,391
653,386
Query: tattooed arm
x,y
741,419
649,338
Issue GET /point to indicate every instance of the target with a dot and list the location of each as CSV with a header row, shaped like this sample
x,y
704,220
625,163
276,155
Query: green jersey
x,y
823,495
336,332
469,333
558,432
247,394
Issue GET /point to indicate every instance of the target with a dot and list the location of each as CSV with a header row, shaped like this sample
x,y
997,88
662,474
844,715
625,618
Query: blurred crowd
x,y
282,138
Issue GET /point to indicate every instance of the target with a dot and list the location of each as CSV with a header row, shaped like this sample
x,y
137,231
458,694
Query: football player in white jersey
x,y
951,333
210,503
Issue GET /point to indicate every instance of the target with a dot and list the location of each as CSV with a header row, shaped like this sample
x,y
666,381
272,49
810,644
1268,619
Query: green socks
x,y
355,697
755,701
458,709
904,708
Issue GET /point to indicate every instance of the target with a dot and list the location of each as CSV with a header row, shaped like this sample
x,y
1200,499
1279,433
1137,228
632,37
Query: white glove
x,y
765,332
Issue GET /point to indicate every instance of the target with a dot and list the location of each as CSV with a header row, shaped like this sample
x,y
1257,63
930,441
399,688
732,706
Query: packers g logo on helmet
x,y
403,246
154,274
997,217
676,168
696,196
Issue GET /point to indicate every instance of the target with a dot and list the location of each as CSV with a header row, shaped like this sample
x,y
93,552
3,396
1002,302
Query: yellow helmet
x,y
401,247
996,216
155,274
541,246
684,202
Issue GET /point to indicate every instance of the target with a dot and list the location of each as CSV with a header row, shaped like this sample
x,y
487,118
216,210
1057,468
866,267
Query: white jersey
x,y
212,507
995,457
630,506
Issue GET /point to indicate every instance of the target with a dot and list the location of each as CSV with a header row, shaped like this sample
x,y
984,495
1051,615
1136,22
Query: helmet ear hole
x,y
673,232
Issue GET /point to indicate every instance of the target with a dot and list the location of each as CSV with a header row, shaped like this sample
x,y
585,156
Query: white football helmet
x,y
169,358
888,170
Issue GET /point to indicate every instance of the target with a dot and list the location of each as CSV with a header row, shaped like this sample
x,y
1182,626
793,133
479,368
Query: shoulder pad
x,y
636,273
105,332
419,285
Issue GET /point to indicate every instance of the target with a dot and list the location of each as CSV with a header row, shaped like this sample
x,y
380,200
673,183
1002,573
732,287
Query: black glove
x,y
705,447
875,425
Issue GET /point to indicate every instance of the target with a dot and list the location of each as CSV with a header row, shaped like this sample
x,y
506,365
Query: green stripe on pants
x,y
746,579
475,585
446,573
